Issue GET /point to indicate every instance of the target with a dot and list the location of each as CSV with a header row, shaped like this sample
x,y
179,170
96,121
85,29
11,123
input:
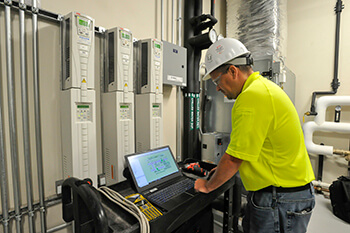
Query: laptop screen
x,y
149,167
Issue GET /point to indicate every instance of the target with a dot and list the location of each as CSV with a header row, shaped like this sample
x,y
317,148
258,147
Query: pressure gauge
x,y
212,35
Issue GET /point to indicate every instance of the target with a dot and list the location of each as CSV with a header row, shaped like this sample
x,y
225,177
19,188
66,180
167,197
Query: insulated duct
x,y
260,25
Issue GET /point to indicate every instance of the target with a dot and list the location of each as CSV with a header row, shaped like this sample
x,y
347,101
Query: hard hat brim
x,y
239,61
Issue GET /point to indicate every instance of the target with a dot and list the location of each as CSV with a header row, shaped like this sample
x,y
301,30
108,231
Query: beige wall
x,y
142,17
310,55
311,26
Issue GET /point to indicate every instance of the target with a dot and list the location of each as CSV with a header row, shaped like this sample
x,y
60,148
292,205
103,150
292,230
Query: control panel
x,y
78,51
149,121
78,111
149,62
118,133
119,71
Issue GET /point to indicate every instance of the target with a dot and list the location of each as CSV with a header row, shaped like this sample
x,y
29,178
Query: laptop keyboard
x,y
171,191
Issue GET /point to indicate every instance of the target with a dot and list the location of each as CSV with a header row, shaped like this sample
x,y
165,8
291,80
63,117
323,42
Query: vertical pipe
x,y
179,104
173,23
3,172
338,10
162,19
37,117
25,117
212,7
179,25
12,117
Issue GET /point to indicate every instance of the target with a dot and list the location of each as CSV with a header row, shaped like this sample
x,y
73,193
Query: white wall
x,y
310,55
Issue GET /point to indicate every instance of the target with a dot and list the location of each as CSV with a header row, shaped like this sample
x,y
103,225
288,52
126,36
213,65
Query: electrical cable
x,y
127,205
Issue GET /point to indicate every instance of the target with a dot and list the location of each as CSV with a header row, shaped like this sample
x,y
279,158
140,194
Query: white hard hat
x,y
227,50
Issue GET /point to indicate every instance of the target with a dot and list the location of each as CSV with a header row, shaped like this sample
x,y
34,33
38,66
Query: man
x,y
266,145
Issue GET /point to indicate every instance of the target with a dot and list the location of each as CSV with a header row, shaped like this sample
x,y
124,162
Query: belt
x,y
285,190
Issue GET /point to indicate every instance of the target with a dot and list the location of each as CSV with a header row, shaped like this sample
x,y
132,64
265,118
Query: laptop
x,y
158,178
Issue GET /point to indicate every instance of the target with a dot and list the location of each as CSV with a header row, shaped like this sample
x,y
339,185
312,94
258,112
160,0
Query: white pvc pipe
x,y
321,184
324,102
320,124
310,127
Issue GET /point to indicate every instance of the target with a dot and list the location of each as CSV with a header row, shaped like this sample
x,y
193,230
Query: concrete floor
x,y
322,219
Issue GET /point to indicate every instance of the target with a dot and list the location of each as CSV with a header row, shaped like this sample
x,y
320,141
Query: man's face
x,y
227,82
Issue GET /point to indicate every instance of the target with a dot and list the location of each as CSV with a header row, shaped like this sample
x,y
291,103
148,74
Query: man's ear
x,y
233,71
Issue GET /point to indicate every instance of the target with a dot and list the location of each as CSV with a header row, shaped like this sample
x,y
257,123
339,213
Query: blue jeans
x,y
269,212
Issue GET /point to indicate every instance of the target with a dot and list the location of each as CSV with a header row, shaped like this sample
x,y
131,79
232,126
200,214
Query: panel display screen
x,y
83,106
157,45
125,36
83,23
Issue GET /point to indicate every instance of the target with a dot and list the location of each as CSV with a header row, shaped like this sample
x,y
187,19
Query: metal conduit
x,y
162,19
179,105
38,118
12,117
25,117
3,173
173,22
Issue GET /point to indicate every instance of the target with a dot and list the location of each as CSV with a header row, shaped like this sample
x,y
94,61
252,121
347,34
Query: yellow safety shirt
x,y
267,136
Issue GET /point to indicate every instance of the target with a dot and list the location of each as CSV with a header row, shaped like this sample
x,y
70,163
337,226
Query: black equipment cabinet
x,y
92,212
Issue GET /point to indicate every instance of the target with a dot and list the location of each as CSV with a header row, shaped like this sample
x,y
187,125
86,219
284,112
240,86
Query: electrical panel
x,y
119,70
118,133
175,67
118,106
149,121
78,45
214,146
78,103
148,66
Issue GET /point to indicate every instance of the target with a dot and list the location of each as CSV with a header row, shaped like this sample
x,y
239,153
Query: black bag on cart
x,y
340,197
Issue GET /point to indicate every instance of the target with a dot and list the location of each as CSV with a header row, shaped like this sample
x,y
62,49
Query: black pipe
x,y
335,82
194,23
212,7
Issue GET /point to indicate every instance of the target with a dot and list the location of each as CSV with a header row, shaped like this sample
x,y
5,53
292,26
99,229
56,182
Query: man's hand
x,y
227,167
200,186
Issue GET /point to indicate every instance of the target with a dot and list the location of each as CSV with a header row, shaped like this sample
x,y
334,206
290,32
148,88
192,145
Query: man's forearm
x,y
227,167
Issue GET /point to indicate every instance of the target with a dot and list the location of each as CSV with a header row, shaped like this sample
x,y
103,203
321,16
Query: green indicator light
x,y
155,106
124,106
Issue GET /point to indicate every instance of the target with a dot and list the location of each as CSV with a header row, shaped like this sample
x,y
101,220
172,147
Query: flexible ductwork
x,y
260,25
320,124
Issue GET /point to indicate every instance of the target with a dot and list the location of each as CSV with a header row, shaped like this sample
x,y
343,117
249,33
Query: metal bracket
x,y
35,10
8,2
60,17
22,6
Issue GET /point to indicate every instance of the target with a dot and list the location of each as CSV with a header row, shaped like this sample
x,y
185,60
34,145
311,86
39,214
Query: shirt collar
x,y
254,76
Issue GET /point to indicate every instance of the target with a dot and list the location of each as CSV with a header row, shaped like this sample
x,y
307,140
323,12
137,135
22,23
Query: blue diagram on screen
x,y
151,166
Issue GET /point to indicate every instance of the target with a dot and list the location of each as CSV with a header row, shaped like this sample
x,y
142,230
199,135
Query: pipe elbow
x,y
309,128
324,102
